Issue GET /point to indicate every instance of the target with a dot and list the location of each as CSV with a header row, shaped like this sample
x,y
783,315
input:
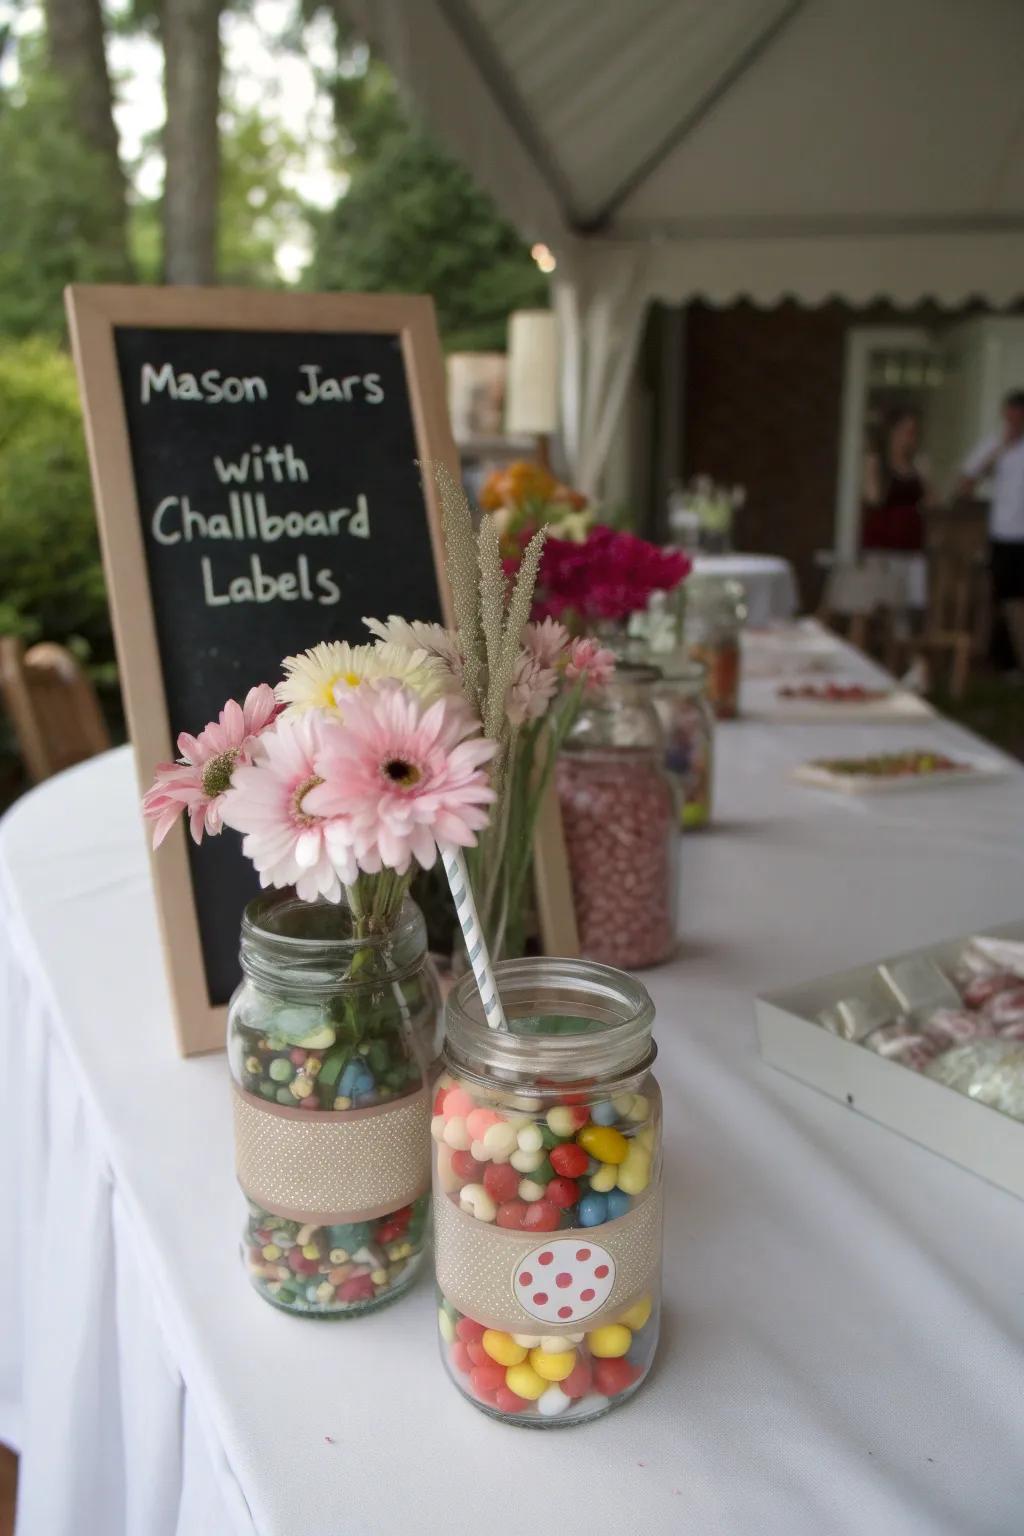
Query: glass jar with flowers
x,y
343,781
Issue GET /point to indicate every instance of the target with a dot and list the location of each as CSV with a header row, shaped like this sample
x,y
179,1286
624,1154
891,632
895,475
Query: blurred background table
x,y
768,580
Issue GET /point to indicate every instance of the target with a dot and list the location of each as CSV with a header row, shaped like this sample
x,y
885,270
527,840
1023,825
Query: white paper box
x,y
984,1140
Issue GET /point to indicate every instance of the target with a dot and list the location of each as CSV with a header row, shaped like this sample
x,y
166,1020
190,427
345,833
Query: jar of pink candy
x,y
620,813
547,1192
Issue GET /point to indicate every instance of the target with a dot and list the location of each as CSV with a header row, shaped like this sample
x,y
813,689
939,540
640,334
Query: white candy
x,y
552,1402
530,1138
526,1162
456,1134
500,1141
479,1152
446,1176
475,1199
553,1346
437,1127
527,1340
446,1326
372,1256
529,1189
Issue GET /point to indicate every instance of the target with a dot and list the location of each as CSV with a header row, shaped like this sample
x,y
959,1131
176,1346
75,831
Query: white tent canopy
x,y
728,148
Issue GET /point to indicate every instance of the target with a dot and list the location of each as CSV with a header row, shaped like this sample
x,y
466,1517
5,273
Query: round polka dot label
x,y
564,1281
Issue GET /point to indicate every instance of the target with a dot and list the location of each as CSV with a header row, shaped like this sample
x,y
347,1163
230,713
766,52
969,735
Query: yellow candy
x,y
645,1138
524,1381
271,1251
639,1109
446,1325
605,1178
610,1342
503,1348
252,1063
342,1102
636,1316
561,1120
310,1251
604,1142
635,1172
623,1103
553,1367
378,1276
339,1256
301,1086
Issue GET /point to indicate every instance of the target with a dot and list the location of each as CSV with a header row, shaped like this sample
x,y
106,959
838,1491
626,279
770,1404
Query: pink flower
x,y
288,842
198,781
531,690
405,776
609,576
590,663
547,641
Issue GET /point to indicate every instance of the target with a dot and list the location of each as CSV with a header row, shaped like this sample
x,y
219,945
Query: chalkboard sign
x,y
254,461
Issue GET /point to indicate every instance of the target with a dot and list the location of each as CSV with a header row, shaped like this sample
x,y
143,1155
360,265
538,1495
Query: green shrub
x,y
51,580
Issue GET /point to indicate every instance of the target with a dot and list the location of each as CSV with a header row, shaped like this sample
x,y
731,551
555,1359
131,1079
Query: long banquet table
x,y
842,1347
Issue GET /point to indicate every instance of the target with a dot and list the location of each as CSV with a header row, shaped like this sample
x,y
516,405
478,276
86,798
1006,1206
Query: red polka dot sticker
x,y
564,1281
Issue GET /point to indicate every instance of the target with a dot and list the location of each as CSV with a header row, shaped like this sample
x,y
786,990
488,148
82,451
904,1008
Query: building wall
x,y
761,409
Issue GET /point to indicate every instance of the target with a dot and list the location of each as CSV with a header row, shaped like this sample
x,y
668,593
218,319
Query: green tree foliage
x,y
51,581
414,221
55,207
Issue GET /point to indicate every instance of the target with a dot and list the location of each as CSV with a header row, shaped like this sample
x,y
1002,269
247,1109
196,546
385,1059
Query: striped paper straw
x,y
454,861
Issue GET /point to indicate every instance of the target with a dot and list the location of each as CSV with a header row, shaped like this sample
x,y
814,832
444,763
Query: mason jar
x,y
680,697
547,1192
621,824
332,1042
716,612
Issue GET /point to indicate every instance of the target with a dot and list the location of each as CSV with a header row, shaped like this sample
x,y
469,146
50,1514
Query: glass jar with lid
x,y
547,1192
621,822
332,1046
688,722
716,611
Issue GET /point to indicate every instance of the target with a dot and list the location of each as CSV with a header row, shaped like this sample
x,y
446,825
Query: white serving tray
x,y
980,1139
897,704
979,770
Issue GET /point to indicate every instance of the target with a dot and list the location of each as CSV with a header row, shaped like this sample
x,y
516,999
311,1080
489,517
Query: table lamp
x,y
531,398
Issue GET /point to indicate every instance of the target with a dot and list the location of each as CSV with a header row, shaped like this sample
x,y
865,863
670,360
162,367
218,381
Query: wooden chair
x,y
956,619
52,706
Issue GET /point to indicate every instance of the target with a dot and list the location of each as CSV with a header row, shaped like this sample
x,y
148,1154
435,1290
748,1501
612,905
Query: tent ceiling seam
x,y
478,45
733,71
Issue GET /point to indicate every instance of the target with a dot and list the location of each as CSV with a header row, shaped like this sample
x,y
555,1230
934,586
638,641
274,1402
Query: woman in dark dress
x,y
896,488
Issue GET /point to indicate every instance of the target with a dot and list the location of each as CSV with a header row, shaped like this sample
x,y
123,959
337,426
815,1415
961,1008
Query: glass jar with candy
x,y
681,699
332,1043
547,1192
620,816
716,612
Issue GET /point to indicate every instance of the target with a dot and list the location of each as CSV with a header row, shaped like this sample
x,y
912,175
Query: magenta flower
x,y
609,576
589,663
287,841
404,776
199,780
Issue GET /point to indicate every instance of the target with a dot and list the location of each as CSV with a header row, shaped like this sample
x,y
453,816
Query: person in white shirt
x,y
1000,459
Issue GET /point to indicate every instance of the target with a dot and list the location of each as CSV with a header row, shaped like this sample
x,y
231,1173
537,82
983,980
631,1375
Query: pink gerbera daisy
x,y
405,776
198,781
547,641
287,841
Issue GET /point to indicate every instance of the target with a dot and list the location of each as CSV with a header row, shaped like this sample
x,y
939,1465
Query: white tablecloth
x,y
768,580
842,1348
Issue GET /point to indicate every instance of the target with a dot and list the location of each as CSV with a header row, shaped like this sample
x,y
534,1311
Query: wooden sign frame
x,y
94,314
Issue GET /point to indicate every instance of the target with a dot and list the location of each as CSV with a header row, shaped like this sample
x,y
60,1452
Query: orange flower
x,y
516,483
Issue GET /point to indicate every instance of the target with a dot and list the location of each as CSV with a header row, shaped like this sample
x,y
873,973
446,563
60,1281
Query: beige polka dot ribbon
x,y
332,1166
509,1280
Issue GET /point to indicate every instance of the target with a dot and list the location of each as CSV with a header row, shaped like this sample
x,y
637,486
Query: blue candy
x,y
593,1210
356,1079
618,1203
604,1113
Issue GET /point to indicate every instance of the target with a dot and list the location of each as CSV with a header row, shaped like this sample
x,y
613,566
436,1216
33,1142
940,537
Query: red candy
x,y
541,1216
577,1383
569,1160
488,1377
501,1181
469,1331
512,1215
562,1192
359,1288
613,1376
477,1353
297,1057
510,1402
439,1100
465,1166
460,1358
